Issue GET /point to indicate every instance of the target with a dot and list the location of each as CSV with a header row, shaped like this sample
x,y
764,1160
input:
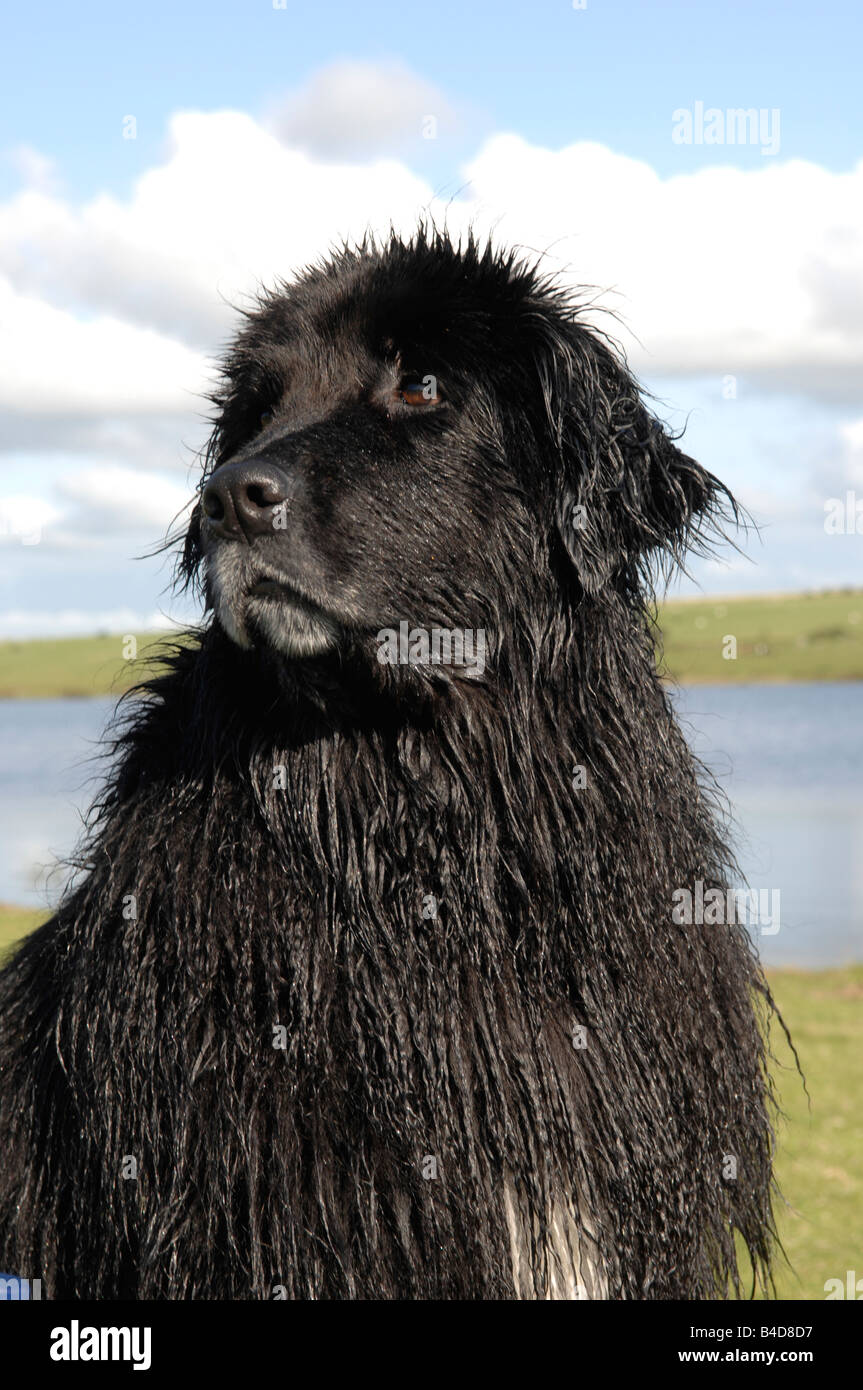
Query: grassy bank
x,y
819,1168
15,922
787,638
819,1148
75,666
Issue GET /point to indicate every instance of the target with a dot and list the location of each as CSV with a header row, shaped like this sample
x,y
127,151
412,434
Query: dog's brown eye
x,y
420,390
267,417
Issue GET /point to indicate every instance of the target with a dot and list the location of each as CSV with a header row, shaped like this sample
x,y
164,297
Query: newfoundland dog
x,y
369,983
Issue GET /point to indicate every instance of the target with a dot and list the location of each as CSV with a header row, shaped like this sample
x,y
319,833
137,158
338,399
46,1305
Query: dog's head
x,y
414,438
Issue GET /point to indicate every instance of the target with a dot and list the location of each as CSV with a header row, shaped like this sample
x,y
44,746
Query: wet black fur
x,y
408,1036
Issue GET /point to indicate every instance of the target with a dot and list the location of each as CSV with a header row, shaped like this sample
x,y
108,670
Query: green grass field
x,y
819,1149
77,666
788,638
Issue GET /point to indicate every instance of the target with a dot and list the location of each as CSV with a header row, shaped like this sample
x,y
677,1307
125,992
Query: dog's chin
x,y
260,610
284,624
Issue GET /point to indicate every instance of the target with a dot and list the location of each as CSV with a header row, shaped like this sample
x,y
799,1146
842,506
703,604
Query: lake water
x,y
790,757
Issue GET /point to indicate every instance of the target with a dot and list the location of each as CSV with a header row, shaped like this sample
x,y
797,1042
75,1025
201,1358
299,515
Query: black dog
x,y
370,985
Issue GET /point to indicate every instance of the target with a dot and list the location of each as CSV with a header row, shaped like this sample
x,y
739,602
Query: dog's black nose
x,y
240,498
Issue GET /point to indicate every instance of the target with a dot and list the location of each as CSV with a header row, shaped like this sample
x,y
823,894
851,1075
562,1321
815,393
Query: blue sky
x,y
612,72
555,127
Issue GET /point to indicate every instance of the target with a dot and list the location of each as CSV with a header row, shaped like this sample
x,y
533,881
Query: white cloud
x,y
851,460
23,519
114,510
718,271
356,110
852,435
35,169
109,307
122,499
157,440
230,208
72,622
837,468
52,362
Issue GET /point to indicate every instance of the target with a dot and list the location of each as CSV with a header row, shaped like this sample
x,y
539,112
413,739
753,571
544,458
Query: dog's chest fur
x,y
367,1097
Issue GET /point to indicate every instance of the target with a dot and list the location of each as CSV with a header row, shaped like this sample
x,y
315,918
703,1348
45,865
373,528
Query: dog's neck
x,y
407,794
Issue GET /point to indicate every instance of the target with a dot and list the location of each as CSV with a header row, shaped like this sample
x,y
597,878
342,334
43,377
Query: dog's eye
x,y
420,390
266,418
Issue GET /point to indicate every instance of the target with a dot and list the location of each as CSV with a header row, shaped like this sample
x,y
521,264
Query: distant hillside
x,y
782,637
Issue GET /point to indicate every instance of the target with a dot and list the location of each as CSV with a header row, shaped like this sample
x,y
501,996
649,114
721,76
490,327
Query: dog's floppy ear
x,y
629,501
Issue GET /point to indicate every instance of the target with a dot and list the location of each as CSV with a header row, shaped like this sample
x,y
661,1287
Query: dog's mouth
x,y
281,615
279,590
262,607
